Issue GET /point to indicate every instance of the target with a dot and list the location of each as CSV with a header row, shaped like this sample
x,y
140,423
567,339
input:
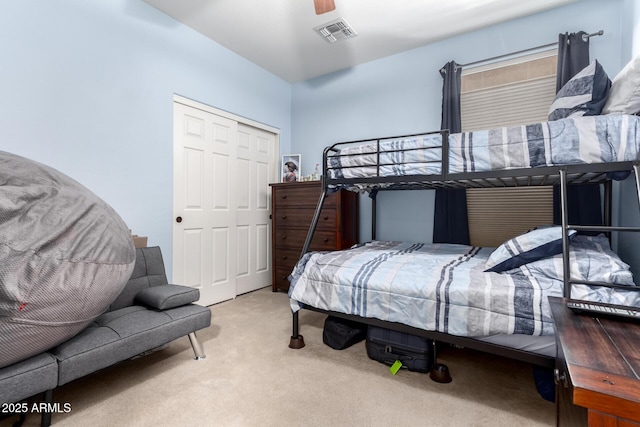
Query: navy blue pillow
x,y
584,95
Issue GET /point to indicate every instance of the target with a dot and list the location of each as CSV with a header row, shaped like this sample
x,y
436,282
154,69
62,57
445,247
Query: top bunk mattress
x,y
579,140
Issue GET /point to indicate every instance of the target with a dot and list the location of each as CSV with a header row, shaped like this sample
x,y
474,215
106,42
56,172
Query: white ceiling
x,y
279,35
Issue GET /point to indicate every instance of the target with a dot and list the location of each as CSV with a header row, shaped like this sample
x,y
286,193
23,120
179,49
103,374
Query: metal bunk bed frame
x,y
548,175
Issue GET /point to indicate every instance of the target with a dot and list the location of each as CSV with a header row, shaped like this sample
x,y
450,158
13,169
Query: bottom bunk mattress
x,y
445,288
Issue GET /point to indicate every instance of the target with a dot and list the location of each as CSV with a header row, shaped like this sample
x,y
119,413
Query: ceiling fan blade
x,y
324,6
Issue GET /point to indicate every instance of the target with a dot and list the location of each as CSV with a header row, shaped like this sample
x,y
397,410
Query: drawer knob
x,y
284,196
284,217
284,237
284,257
326,239
326,218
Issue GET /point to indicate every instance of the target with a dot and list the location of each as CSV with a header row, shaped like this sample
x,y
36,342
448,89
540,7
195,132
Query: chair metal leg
x,y
197,347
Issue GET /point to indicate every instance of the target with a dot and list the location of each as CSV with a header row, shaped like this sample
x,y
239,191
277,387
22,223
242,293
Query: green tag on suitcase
x,y
395,367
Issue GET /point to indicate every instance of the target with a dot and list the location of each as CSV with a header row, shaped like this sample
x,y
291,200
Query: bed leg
x,y
296,341
439,371
434,362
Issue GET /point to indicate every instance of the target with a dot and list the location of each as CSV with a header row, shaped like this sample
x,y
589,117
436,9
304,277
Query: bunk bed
x,y
453,305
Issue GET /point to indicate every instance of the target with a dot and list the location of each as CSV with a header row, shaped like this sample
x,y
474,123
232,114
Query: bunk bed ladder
x,y
297,341
314,222
566,265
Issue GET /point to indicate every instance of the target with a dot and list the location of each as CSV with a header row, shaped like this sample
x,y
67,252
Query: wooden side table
x,y
597,369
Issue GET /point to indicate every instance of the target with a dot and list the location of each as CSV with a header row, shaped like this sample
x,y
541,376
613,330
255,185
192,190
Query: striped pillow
x,y
525,248
584,95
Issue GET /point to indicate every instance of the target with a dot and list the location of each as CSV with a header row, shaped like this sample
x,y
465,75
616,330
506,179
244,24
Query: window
x,y
512,92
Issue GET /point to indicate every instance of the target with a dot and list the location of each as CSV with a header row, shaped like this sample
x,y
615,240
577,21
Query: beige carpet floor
x,y
251,378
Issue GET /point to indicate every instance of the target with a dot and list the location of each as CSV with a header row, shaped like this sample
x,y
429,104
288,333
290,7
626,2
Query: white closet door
x,y
221,231
255,171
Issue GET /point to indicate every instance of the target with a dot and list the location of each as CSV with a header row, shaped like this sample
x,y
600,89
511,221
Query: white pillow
x,y
624,95
591,258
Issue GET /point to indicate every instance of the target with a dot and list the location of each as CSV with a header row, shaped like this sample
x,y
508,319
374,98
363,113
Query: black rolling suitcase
x,y
386,346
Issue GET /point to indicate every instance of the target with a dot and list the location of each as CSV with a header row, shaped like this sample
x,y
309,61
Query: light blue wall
x,y
402,94
87,88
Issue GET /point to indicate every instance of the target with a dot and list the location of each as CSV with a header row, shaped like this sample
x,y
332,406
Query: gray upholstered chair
x,y
148,314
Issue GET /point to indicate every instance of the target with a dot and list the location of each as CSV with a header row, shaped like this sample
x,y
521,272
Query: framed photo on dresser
x,y
291,165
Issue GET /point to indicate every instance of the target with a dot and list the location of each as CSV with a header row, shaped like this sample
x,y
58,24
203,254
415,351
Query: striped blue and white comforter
x,y
577,140
442,287
418,155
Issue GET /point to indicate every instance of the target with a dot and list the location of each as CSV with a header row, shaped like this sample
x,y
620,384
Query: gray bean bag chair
x,y
65,255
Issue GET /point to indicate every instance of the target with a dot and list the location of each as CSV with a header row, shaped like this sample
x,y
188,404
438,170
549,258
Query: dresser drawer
x,y
301,196
284,260
281,278
301,218
286,257
294,239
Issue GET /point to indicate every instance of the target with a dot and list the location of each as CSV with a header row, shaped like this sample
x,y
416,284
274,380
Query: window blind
x,y
513,92
508,93
498,214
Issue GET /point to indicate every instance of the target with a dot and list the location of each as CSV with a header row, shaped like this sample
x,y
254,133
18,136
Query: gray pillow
x,y
164,297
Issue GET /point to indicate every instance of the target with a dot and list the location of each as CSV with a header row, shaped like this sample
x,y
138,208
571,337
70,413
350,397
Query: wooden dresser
x,y
597,369
292,209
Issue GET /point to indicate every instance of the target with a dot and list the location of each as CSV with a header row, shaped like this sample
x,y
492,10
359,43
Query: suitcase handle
x,y
397,356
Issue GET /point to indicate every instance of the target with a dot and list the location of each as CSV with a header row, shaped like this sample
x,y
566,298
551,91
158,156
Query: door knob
x,y
179,219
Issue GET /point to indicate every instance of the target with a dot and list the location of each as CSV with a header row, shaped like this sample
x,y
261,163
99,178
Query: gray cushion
x,y
121,334
167,296
148,271
28,378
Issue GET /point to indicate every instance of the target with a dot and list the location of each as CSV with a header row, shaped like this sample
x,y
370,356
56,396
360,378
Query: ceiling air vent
x,y
336,31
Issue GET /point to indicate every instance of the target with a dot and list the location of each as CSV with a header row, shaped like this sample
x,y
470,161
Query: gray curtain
x,y
573,56
584,200
450,223
451,118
